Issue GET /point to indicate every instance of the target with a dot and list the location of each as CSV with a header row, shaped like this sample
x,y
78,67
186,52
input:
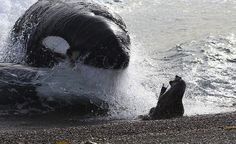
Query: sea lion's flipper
x,y
163,90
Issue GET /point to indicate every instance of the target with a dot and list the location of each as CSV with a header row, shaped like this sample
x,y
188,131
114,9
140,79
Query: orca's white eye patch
x,y
56,44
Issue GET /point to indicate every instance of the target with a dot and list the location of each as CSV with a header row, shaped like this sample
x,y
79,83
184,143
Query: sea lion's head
x,y
178,87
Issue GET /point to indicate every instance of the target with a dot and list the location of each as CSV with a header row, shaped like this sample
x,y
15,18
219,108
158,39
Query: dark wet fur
x,y
169,104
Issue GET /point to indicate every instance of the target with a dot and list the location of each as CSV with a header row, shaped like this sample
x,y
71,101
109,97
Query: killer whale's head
x,y
101,44
96,36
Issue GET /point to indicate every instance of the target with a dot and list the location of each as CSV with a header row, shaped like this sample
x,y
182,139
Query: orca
x,y
96,36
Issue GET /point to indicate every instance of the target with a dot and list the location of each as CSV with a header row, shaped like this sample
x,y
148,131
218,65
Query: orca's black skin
x,y
97,35
169,104
18,87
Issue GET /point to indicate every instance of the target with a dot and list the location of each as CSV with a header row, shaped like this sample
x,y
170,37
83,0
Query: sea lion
x,y
96,36
169,104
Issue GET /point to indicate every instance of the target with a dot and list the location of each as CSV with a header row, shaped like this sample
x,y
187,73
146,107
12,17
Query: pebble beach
x,y
215,128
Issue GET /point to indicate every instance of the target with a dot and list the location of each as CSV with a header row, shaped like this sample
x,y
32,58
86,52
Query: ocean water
x,y
195,39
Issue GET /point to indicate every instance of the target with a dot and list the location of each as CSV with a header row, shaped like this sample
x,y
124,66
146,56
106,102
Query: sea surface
x,y
194,39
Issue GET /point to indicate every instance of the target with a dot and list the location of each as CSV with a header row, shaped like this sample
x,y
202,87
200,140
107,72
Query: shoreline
x,y
212,128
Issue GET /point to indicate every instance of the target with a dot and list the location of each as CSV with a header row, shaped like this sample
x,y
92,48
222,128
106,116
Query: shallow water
x,y
194,39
